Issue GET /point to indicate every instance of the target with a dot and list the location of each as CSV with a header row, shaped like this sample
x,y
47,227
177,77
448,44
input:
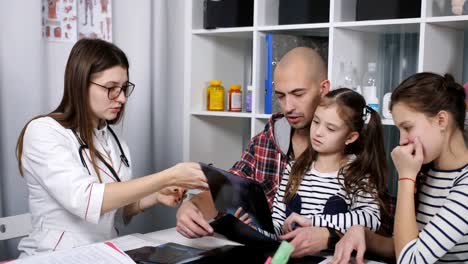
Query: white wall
x,y
31,83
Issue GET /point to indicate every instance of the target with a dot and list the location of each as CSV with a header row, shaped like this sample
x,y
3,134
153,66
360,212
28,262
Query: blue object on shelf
x,y
269,74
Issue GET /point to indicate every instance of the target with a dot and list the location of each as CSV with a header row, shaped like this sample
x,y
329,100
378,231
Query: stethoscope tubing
x,y
83,146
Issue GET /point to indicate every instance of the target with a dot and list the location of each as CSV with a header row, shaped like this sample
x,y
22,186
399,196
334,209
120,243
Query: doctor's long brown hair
x,y
368,172
87,57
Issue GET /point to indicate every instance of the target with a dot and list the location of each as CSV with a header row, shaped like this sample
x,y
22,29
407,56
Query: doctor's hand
x,y
295,220
171,196
188,175
408,158
307,240
191,223
353,239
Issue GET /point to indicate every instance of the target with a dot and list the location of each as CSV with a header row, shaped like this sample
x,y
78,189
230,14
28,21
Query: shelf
x,y
408,25
444,49
317,32
222,58
263,116
438,8
388,122
294,26
436,41
218,140
237,32
456,22
221,113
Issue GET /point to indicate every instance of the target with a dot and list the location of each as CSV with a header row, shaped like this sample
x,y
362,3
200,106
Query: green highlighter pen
x,y
282,254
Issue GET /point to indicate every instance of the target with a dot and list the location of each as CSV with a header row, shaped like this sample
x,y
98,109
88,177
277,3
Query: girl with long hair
x,y
335,183
432,165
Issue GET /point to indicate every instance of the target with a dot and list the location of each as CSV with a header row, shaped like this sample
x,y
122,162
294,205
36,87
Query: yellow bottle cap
x,y
215,82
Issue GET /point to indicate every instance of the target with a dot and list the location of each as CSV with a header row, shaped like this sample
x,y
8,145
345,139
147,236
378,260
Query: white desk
x,y
101,253
171,235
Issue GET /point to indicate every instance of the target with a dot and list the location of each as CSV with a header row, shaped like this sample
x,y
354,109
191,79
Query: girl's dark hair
x,y
87,57
430,93
368,172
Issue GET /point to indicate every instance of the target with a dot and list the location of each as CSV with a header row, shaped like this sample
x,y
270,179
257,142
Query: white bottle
x,y
385,104
369,87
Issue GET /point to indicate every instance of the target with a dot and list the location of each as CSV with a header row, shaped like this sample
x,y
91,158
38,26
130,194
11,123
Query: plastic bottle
x,y
369,87
339,82
248,99
235,98
350,79
215,96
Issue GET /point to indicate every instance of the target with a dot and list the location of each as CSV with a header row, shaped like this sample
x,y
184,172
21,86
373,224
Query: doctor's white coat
x,y
64,199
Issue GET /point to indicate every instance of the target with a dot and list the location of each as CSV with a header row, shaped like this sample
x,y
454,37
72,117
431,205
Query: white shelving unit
x,y
237,55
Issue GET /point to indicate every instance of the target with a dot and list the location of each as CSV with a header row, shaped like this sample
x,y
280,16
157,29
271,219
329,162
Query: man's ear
x,y
353,136
442,120
324,87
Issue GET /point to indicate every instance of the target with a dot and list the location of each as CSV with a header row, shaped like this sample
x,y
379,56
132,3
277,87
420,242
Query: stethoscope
x,y
123,158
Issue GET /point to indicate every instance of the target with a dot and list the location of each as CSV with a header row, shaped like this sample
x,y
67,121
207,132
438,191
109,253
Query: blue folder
x,y
269,74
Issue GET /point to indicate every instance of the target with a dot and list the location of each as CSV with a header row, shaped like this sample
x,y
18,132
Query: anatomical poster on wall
x,y
59,20
95,19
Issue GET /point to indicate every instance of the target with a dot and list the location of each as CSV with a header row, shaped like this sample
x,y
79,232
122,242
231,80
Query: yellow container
x,y
215,96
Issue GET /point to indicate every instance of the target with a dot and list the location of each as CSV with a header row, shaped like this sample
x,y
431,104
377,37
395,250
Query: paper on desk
x,y
101,253
134,241
329,258
171,235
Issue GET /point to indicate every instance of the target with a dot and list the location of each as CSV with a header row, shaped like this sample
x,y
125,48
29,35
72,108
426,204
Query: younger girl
x,y
429,111
335,182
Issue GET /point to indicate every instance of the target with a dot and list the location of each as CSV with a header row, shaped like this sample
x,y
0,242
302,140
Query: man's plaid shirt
x,y
263,160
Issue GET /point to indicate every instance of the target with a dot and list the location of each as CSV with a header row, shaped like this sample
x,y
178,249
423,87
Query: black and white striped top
x,y
442,218
315,189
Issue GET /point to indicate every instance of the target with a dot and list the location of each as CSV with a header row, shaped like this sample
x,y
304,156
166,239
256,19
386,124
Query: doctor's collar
x,y
101,130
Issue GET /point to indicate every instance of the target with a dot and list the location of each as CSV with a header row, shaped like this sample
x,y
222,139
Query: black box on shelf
x,y
388,9
303,11
227,13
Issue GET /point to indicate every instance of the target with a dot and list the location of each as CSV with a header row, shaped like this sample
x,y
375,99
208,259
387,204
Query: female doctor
x,y
77,170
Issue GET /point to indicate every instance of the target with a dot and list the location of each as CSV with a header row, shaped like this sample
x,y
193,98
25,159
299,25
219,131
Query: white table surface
x,y
171,235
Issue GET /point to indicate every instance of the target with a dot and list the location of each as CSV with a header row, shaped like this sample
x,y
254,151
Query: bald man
x,y
300,80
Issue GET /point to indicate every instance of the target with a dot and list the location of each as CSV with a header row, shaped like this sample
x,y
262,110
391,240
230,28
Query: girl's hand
x,y
244,218
408,159
295,220
188,175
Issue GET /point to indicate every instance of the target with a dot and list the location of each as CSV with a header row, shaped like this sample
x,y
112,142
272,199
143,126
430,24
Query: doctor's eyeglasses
x,y
114,91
